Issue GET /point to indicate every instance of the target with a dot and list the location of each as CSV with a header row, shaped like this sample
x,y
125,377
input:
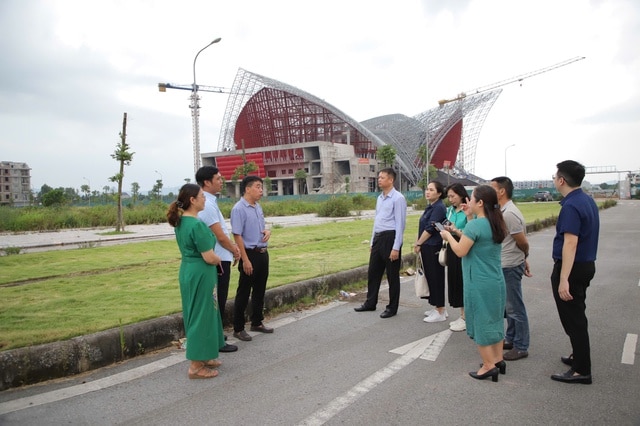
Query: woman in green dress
x,y
484,289
198,279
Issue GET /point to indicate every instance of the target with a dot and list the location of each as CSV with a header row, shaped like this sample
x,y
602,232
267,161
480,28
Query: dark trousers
x,y
434,272
572,313
223,287
379,263
253,285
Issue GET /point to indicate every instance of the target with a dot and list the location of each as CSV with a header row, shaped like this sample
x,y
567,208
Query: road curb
x,y
34,364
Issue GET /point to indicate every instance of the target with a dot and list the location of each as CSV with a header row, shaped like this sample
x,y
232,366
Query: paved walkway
x,y
75,238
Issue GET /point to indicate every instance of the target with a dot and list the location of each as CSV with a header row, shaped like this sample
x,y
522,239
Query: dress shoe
x,y
567,360
363,308
242,335
500,365
515,354
571,377
261,328
507,345
228,348
493,373
387,314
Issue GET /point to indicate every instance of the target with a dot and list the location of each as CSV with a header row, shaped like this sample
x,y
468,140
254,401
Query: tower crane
x,y
510,80
195,113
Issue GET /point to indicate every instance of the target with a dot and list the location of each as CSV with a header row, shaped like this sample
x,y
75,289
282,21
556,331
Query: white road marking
x,y
136,373
425,348
60,394
629,349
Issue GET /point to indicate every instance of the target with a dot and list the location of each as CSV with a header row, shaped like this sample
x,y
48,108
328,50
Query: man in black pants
x,y
574,252
386,245
249,233
210,180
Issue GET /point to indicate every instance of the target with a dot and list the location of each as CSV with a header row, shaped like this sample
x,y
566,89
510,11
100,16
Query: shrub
x,y
336,207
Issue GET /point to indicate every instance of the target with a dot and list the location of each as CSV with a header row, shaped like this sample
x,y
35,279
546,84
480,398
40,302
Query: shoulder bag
x,y
420,279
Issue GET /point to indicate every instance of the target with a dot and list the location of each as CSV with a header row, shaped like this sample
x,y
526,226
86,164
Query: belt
x,y
258,249
383,233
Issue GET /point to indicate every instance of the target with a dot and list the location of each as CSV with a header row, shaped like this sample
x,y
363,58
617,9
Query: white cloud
x,y
73,67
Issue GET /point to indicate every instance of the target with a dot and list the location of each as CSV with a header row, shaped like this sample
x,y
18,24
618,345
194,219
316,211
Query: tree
x,y
386,154
267,186
347,181
124,157
135,192
156,191
55,197
244,170
301,177
86,190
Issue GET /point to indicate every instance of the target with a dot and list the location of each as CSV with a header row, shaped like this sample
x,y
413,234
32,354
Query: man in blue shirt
x,y
251,236
386,244
574,252
210,180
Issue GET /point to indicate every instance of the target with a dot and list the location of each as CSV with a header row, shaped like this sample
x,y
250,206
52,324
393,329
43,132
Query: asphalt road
x,y
333,366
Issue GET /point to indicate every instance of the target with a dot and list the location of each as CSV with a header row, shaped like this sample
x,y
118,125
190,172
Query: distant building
x,y
284,130
15,184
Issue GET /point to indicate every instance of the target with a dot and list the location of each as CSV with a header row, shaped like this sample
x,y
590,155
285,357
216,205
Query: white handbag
x,y
420,279
442,255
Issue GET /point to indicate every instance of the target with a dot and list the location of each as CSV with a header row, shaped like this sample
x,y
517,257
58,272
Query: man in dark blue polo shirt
x,y
574,253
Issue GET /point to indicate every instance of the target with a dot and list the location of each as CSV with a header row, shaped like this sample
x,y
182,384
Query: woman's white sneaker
x,y
431,311
458,325
436,317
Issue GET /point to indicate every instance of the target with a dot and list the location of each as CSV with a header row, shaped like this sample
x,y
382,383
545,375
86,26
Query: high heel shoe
x,y
501,365
493,373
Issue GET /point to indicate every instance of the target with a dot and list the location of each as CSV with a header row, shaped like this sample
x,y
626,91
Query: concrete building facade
x,y
15,184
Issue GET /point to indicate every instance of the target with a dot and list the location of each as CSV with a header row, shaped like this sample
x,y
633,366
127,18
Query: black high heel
x,y
501,365
493,373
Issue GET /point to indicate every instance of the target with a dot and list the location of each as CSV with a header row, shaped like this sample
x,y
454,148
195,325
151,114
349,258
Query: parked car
x,y
543,196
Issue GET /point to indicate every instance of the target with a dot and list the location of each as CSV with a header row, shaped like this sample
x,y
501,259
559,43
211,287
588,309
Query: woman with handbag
x,y
428,245
484,289
456,221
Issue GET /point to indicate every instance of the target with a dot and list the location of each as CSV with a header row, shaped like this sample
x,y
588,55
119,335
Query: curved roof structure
x,y
262,112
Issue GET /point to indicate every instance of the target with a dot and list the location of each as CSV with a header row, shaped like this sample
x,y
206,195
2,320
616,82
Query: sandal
x,y
207,373
213,363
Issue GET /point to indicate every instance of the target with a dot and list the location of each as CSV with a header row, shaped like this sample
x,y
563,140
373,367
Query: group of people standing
x,y
207,255
487,249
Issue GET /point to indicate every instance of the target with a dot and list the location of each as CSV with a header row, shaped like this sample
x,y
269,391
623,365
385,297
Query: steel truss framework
x,y
262,112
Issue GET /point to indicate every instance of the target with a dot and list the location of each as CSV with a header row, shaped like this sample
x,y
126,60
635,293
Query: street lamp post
x,y
505,158
195,112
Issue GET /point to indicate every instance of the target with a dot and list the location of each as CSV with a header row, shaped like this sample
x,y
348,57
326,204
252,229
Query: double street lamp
x,y
195,112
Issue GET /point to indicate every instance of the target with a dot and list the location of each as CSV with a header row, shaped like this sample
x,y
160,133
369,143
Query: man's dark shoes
x,y
363,308
567,360
242,335
261,328
571,377
228,348
507,345
387,314
515,354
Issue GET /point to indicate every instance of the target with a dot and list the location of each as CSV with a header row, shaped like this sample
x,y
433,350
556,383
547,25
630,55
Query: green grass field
x,y
56,295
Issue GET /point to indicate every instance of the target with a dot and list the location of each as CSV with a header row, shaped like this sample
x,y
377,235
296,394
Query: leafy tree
x,y
347,181
55,197
86,190
135,192
244,170
301,177
44,189
156,191
267,185
386,154
123,156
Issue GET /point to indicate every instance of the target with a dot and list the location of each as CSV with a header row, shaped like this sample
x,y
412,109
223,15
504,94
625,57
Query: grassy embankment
x,y
56,295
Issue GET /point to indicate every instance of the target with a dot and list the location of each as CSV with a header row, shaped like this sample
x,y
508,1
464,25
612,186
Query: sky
x,y
71,68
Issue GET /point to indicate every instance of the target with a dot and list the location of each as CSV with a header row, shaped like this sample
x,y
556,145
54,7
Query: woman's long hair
x,y
458,189
183,203
492,211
